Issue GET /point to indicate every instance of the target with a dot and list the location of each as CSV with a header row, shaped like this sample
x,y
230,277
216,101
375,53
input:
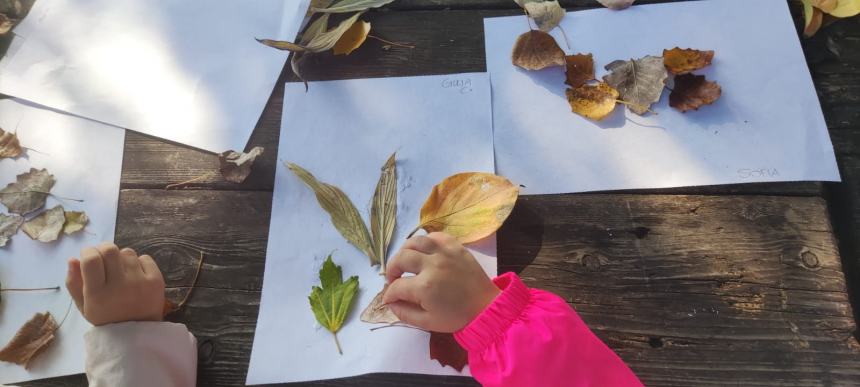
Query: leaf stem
x,y
337,342
193,283
390,42
636,105
28,289
413,232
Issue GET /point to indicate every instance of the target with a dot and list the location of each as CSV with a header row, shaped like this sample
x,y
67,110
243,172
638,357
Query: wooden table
x,y
721,285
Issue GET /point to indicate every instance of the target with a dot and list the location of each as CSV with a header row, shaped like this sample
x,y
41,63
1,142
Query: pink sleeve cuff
x,y
491,325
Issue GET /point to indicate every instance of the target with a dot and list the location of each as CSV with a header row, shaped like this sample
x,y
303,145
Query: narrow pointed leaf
x,y
383,211
345,6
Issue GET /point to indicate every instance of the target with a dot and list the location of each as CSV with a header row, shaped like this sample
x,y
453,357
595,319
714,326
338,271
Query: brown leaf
x,y
579,69
595,102
352,39
28,193
683,61
468,206
616,4
693,91
377,312
546,14
33,338
236,166
10,147
640,82
172,307
9,225
445,349
75,221
536,50
47,226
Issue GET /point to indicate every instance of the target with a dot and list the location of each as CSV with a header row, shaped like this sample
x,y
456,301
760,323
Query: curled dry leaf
x,y
9,225
693,91
640,82
321,41
75,221
595,102
377,312
352,39
445,349
236,166
10,147
616,4
331,301
813,18
536,50
546,14
383,211
579,69
31,340
47,226
345,6
683,61
468,206
29,191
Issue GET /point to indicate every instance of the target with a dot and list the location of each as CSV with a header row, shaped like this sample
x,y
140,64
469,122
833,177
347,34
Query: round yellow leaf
x,y
352,39
846,8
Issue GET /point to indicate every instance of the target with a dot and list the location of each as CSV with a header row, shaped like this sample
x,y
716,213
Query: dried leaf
x,y
47,226
9,225
546,14
28,193
469,206
846,8
282,45
10,147
593,101
579,69
522,3
344,215
640,82
75,221
826,6
383,211
6,24
692,91
377,312
813,18
445,349
352,39
236,166
319,26
31,340
537,50
683,61
616,4
325,41
331,301
345,6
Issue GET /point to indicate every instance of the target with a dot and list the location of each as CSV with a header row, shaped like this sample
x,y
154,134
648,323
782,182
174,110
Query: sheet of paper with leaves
x,y
756,131
303,234
83,159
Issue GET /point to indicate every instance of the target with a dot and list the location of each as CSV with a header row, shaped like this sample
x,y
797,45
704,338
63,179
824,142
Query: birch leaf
x,y
383,211
547,14
344,215
345,6
616,4
9,225
693,91
75,221
445,349
31,340
10,147
469,206
846,8
331,301
595,102
640,82
47,226
377,312
537,50
579,69
236,166
684,61
29,191
352,39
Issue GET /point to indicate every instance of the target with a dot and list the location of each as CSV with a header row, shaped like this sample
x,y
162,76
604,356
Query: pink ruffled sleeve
x,y
529,337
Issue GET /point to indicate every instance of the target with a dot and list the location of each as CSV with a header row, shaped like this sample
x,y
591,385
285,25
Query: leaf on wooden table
x,y
579,69
469,206
9,225
383,211
345,6
236,166
813,18
321,41
683,61
537,50
377,312
693,91
846,8
10,147
29,191
344,215
30,340
47,226
826,6
331,301
616,4
75,221
640,82
595,102
352,39
319,26
546,14
445,349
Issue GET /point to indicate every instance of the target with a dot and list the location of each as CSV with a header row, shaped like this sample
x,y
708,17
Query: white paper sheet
x,y
343,132
85,158
768,125
188,71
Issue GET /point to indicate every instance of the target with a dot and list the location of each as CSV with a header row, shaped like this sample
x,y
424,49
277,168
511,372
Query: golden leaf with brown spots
x,y
683,61
595,102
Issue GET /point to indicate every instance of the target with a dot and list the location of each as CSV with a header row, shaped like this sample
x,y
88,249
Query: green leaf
x,y
383,212
351,6
331,302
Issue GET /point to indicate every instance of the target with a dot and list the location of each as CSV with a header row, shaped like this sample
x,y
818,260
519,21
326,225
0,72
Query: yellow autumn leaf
x,y
595,102
826,6
846,8
352,39
469,206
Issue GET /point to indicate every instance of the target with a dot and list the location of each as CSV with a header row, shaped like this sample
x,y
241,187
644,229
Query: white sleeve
x,y
143,354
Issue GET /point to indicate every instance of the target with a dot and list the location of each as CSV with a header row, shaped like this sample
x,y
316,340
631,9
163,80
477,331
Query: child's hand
x,y
111,285
449,289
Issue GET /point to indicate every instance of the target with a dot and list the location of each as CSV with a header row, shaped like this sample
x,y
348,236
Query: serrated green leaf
x,y
383,212
331,302
351,6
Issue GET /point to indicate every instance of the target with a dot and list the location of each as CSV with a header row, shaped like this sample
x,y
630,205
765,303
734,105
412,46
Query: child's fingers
x,y
406,261
92,268
421,244
410,313
75,283
113,265
128,258
403,289
150,268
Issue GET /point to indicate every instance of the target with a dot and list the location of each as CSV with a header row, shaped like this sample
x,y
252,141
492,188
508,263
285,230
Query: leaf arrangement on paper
x,y
818,13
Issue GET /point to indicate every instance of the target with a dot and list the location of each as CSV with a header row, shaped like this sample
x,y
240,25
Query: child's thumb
x,y
410,314
75,283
